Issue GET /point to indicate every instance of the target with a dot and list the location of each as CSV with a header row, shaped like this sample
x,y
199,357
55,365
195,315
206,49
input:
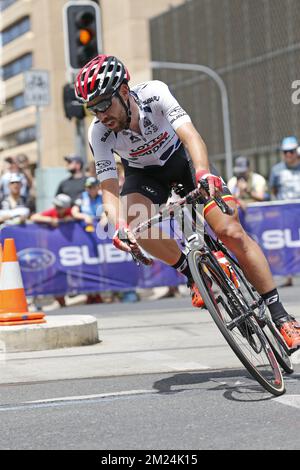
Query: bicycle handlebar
x,y
200,193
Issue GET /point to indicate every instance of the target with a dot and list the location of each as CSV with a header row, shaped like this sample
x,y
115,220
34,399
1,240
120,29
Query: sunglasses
x,y
102,106
289,151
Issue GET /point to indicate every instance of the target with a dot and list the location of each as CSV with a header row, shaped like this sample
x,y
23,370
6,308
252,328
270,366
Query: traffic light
x,y
71,106
82,32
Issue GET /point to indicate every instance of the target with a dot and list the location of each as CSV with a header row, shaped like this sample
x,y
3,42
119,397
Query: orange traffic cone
x,y
13,303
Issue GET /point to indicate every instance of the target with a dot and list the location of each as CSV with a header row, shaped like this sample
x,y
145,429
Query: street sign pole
x,y
37,94
38,136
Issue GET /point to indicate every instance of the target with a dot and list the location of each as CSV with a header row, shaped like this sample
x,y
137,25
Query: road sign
x,y
37,91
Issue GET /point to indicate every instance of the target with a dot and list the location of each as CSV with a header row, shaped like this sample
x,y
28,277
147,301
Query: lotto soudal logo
x,y
151,147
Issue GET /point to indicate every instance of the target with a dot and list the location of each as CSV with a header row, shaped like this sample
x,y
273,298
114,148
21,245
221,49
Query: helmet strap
x,y
126,107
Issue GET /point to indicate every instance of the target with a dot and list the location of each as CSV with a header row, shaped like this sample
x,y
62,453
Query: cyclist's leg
x,y
154,242
248,253
255,267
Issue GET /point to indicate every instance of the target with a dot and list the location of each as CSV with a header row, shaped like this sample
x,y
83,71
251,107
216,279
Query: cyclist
x,y
159,145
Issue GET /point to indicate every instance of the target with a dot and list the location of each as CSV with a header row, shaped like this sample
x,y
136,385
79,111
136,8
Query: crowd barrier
x,y
276,227
67,259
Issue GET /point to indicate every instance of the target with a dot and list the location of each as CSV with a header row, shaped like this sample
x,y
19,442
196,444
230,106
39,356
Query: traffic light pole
x,y
80,140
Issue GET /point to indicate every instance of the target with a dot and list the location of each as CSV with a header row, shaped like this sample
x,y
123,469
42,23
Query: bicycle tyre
x,y
275,339
196,262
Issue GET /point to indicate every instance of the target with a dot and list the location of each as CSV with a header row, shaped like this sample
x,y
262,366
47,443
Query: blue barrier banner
x,y
276,228
67,259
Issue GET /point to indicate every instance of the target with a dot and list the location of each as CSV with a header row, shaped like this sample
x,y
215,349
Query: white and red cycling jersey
x,y
159,117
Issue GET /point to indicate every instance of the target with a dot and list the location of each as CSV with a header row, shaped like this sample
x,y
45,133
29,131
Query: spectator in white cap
x,y
284,179
61,212
13,208
89,205
246,185
13,168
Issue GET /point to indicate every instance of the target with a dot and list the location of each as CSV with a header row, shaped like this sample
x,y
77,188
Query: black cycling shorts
x,y
156,182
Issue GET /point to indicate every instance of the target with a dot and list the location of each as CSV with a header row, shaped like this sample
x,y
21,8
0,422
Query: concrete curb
x,y
60,331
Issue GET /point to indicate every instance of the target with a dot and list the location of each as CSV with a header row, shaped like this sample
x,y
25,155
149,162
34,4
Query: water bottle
x,y
226,266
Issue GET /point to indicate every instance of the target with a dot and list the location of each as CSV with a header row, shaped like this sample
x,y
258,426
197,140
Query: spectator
x,y
284,179
27,169
246,185
285,176
90,170
61,212
74,185
89,206
13,207
87,209
13,168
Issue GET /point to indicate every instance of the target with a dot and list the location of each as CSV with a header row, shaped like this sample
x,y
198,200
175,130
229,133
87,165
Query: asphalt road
x,y
162,377
192,410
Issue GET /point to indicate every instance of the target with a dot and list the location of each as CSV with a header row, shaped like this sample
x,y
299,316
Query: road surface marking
x,y
289,400
60,401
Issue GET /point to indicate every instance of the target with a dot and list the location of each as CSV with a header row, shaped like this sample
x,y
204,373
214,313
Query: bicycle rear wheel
x,y
236,323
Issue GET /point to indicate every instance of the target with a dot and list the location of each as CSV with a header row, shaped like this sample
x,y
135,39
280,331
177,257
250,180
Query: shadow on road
x,y
236,384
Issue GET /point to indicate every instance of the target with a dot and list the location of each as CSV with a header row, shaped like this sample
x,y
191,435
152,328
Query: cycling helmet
x,y
102,75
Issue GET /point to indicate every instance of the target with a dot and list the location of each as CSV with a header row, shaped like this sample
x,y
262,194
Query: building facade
x,y
32,38
254,45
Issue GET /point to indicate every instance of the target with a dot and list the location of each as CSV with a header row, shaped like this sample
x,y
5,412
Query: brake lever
x,y
218,199
223,206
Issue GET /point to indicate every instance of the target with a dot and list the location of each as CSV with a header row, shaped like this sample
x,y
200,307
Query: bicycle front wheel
x,y
275,339
239,327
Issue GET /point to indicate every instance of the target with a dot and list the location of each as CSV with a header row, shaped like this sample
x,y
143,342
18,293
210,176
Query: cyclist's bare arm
x,y
194,144
196,148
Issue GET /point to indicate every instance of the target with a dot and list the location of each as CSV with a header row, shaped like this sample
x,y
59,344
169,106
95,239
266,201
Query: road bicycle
x,y
235,306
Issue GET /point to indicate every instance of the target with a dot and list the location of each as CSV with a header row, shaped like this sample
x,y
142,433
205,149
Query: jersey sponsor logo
x,y
151,100
151,147
176,113
110,168
147,122
134,138
100,165
105,137
149,126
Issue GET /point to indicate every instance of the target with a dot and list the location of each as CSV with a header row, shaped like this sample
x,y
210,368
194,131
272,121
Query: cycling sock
x,y
182,267
275,307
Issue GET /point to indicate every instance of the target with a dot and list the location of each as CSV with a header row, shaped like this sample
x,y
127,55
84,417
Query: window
x,y
28,134
13,104
6,3
17,66
14,31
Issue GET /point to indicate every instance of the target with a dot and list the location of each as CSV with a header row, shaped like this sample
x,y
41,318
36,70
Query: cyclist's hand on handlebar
x,y
123,239
214,182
